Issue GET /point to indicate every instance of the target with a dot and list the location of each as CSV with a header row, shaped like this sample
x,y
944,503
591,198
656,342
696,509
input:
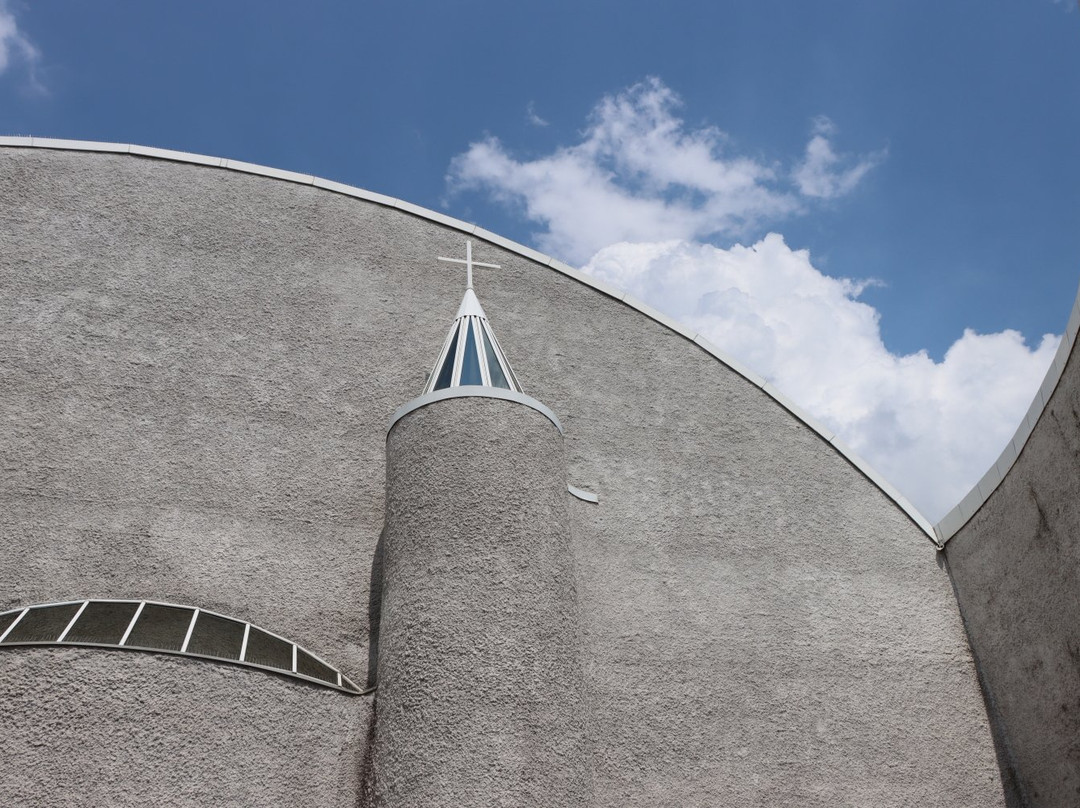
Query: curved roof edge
x,y
955,519
471,229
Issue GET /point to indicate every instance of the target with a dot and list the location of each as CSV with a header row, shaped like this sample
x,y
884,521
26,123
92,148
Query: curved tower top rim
x,y
474,391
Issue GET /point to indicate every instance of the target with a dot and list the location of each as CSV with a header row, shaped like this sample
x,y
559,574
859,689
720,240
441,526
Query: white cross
x,y
469,263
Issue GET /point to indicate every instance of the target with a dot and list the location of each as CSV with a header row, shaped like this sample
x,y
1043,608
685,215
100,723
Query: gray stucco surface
x,y
1015,568
198,368
481,698
113,728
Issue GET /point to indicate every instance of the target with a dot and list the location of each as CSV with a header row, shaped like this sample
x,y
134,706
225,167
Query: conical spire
x,y
471,356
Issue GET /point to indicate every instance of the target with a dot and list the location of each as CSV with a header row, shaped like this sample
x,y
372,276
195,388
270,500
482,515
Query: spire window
x,y
471,354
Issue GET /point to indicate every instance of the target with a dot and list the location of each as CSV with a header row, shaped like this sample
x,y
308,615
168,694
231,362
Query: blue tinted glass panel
x,y
447,371
515,384
470,364
498,378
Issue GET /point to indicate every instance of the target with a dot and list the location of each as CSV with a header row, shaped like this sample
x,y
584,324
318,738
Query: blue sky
x,y
947,169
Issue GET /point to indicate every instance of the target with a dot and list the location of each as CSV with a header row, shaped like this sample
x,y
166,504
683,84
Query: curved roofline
x,y
955,519
471,229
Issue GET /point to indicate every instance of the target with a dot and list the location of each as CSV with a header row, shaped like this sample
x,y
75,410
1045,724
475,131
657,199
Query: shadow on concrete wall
x,y
1010,783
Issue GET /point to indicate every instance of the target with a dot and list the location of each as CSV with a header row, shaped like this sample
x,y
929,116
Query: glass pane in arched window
x,y
446,374
216,636
266,649
161,627
103,621
498,378
470,363
43,624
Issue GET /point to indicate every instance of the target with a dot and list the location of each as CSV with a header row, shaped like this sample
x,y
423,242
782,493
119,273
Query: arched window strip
x,y
146,625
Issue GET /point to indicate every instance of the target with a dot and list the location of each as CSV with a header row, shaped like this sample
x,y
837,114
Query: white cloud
x,y
822,172
639,173
532,117
933,428
15,46
639,193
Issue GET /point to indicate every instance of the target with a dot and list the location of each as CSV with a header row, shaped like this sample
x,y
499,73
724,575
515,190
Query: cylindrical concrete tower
x,y
480,699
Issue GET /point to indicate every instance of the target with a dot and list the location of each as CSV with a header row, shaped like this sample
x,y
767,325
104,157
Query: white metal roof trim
x,y
471,229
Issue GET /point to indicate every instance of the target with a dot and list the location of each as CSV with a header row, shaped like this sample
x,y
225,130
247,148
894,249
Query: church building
x,y
311,496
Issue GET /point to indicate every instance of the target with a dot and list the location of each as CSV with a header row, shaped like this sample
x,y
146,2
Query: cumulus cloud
x,y
932,428
640,173
15,46
638,196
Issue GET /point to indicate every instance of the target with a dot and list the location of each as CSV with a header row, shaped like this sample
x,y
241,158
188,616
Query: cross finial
x,y
469,263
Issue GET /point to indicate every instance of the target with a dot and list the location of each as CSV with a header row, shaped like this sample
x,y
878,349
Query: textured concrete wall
x,y
85,729
481,698
197,370
1015,565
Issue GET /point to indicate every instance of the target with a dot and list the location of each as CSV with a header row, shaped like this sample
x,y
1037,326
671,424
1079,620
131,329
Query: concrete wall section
x,y
195,399
763,627
86,728
1015,566
197,370
481,699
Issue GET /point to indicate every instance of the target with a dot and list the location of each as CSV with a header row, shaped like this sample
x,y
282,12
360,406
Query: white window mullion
x,y
442,359
190,628
511,377
243,645
478,335
18,620
131,625
71,622
460,355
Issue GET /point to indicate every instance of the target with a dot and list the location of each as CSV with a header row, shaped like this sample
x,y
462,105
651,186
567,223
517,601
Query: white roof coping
x,y
660,317
276,173
180,157
79,145
472,229
731,362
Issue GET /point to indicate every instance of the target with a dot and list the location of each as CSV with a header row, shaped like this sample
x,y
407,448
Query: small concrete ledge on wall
x,y
933,533
959,516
